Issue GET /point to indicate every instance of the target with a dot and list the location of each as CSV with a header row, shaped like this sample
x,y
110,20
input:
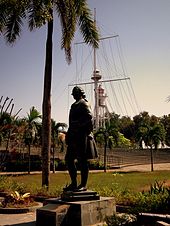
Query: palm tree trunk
x,y
29,159
46,110
105,150
151,159
53,159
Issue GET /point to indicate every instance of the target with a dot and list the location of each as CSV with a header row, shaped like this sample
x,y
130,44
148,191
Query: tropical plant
x,y
15,195
71,13
5,125
5,120
152,136
8,125
15,199
31,122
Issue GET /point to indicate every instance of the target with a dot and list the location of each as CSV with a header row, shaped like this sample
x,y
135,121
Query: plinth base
x,y
72,196
57,212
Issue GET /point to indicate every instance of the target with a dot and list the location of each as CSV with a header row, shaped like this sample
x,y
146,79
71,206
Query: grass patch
x,y
131,181
127,188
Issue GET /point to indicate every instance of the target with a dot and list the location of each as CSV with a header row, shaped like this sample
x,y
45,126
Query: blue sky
x,y
144,31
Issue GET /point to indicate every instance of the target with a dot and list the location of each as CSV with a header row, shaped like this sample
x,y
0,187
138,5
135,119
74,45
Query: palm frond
x,y
13,28
86,23
67,17
39,13
5,7
11,15
70,13
2,15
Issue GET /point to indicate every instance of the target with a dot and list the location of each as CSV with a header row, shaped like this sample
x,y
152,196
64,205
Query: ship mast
x,y
99,95
96,77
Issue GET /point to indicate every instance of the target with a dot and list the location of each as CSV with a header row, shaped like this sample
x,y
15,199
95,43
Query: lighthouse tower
x,y
100,109
103,110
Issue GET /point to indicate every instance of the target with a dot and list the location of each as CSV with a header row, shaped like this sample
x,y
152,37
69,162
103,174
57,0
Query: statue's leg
x,y
84,168
72,171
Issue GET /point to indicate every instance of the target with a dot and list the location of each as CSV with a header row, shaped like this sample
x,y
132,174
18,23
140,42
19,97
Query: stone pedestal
x,y
57,212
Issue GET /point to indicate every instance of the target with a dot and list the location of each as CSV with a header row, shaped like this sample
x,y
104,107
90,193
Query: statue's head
x,y
78,92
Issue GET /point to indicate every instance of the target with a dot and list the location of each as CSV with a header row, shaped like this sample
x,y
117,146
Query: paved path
x,y
24,219
145,167
28,219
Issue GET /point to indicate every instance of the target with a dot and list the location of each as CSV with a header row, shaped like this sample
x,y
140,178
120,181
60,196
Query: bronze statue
x,y
79,140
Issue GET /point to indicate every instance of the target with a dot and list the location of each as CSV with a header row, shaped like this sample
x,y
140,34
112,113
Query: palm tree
x,y
108,134
32,120
152,135
71,13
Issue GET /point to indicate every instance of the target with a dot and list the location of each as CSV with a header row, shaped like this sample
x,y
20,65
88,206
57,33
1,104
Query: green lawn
x,y
132,181
125,187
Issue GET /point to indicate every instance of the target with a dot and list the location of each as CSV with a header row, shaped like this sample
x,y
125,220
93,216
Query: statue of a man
x,y
78,140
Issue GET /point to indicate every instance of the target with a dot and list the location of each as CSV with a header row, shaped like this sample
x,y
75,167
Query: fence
x,y
115,158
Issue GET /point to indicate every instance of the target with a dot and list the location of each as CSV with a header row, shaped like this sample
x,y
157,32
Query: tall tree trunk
x,y
105,152
46,110
53,158
151,159
29,159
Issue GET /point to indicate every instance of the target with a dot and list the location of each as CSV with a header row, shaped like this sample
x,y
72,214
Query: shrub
x,y
8,185
121,220
157,199
95,165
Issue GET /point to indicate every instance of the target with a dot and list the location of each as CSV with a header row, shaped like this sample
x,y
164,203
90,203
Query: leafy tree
x,y
5,123
127,128
149,130
141,122
152,134
114,121
165,120
6,119
123,142
71,13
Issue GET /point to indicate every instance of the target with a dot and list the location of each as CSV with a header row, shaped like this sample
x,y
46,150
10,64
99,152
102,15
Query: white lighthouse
x,y
100,109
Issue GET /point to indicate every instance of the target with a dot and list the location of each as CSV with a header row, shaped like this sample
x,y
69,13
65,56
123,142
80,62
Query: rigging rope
x,y
110,60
